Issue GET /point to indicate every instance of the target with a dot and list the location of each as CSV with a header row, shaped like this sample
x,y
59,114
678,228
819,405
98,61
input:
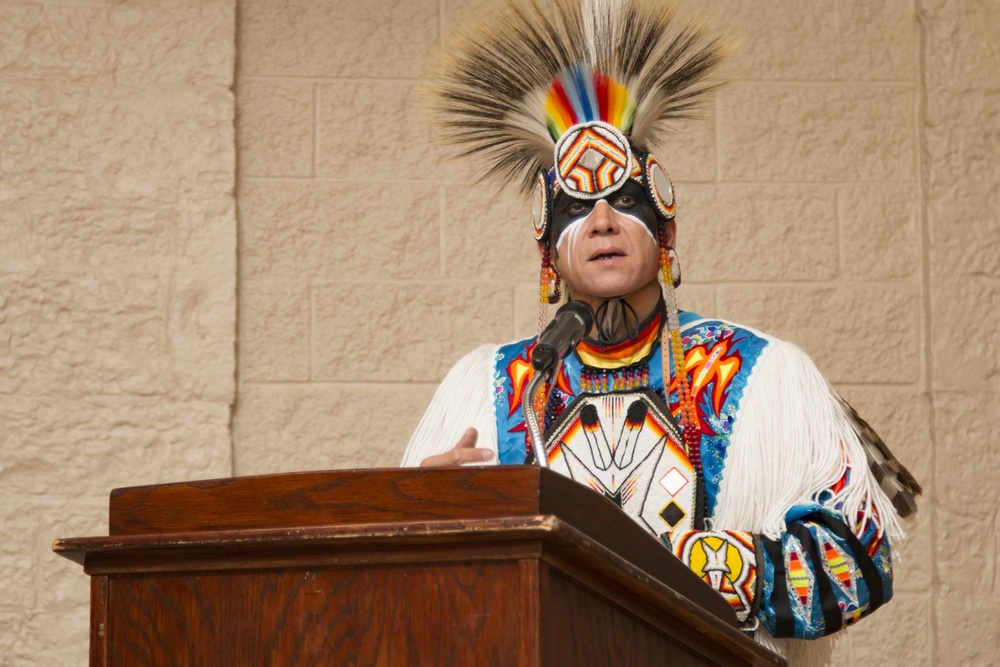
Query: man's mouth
x,y
603,255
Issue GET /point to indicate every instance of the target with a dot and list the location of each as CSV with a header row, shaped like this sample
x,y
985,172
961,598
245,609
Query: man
x,y
724,442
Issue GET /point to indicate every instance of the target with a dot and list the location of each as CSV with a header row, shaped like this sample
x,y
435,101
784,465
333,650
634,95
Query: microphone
x,y
567,328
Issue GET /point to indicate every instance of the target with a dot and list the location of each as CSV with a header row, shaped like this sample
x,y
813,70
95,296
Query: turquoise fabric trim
x,y
809,623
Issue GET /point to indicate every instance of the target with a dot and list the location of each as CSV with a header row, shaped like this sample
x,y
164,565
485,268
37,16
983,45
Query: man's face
x,y
606,248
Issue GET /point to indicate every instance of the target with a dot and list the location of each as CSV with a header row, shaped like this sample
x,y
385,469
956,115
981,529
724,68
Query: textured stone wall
x,y
841,193
117,281
960,171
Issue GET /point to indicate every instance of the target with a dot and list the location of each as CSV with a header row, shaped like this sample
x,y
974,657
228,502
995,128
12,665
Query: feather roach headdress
x,y
571,94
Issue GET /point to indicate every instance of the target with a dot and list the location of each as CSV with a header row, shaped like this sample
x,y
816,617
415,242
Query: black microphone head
x,y
583,310
570,324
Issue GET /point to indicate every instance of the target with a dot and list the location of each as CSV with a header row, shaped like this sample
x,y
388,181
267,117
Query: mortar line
x,y
927,332
310,338
237,287
442,223
838,211
369,78
826,83
716,102
337,384
315,129
440,17
317,78
729,284
777,182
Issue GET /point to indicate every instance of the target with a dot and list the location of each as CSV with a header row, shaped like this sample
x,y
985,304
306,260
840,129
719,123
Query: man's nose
x,y
603,218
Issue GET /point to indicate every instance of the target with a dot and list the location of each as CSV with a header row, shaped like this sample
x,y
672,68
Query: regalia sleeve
x,y
463,399
800,539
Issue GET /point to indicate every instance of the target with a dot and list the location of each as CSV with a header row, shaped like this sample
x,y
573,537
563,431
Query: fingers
x,y
465,451
468,439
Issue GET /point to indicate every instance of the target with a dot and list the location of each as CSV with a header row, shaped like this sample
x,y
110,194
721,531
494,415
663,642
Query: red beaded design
x,y
688,416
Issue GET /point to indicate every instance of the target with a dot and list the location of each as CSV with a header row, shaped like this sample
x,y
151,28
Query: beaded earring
x,y
675,267
549,287
670,275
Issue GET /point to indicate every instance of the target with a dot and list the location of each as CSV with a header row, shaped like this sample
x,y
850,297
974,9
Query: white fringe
x,y
801,653
790,443
463,399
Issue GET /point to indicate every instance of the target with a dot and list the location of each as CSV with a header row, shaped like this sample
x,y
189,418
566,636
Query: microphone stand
x,y
531,417
558,339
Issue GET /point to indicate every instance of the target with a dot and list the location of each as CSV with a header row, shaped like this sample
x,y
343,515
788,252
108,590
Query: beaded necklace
x,y
688,417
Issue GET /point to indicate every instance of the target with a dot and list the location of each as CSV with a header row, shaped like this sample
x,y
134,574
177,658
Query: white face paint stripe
x,y
571,233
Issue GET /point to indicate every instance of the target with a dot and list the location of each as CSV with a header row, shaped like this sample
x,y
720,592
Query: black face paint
x,y
631,199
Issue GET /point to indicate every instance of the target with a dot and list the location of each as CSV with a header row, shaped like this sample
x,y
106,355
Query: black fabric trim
x,y
870,573
832,616
784,621
758,587
699,500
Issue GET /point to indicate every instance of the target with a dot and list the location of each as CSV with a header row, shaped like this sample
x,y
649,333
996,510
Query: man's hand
x,y
464,452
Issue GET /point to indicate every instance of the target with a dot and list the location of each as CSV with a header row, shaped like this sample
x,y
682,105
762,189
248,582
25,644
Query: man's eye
x,y
625,201
577,209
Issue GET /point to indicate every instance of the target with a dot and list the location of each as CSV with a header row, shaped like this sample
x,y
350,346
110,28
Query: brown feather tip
x,y
899,484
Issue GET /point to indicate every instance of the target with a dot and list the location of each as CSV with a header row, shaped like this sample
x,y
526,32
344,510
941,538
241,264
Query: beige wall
x,y
117,281
842,194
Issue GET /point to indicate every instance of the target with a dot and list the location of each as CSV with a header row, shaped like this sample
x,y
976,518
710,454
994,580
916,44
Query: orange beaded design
x,y
549,288
688,416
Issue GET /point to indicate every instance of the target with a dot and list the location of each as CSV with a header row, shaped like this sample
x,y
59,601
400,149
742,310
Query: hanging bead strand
x,y
688,416
544,279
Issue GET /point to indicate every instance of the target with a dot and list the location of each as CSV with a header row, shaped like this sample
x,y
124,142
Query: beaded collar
x,y
620,365
626,352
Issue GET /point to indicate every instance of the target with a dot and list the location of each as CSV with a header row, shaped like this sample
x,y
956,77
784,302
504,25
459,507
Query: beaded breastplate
x,y
607,424
626,445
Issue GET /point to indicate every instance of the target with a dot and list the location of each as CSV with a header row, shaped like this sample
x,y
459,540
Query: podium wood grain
x,y
499,566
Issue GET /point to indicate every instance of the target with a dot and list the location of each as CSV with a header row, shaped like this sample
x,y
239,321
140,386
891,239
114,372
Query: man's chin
x,y
603,293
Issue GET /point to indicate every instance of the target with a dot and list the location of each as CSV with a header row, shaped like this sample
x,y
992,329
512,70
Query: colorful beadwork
x,y
549,288
838,565
688,415
621,355
592,160
602,381
725,560
626,445
800,576
540,207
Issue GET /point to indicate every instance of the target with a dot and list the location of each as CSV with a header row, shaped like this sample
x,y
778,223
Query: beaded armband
x,y
726,561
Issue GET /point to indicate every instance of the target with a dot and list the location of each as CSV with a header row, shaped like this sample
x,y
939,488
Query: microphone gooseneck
x,y
567,328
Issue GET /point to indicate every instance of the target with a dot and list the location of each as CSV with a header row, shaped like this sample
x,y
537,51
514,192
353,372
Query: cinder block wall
x,y
842,194
117,282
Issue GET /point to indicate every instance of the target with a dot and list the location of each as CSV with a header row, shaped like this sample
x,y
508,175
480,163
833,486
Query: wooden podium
x,y
470,566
